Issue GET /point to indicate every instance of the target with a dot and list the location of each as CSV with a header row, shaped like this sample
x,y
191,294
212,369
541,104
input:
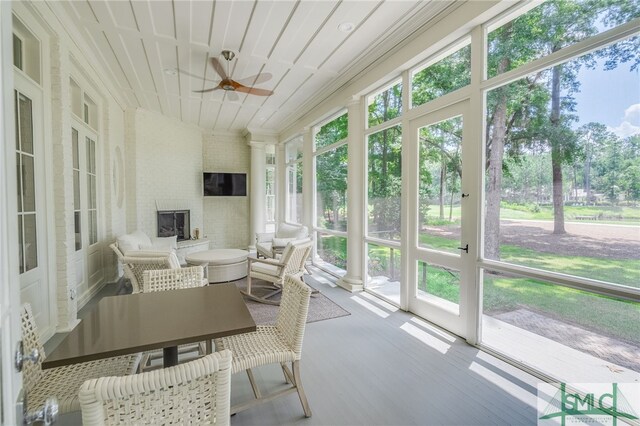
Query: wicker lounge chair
x,y
280,343
63,382
197,392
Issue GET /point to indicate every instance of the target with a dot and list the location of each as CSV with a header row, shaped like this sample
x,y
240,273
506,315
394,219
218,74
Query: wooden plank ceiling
x,y
140,43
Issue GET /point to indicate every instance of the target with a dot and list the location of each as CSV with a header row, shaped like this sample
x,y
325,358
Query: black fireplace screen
x,y
174,222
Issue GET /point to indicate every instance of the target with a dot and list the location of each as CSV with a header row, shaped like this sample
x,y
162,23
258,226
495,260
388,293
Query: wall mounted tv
x,y
224,184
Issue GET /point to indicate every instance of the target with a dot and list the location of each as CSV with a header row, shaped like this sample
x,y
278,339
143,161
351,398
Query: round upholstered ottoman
x,y
222,264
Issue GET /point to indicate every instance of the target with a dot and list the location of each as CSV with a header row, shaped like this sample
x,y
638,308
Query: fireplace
x,y
174,222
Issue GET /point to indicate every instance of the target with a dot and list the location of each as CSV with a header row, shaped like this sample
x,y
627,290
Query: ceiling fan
x,y
244,85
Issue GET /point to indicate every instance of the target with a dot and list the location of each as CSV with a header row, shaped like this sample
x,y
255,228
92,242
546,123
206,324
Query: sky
x,y
611,98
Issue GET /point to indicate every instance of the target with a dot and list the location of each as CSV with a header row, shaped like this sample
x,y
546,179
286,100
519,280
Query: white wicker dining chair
x,y
280,343
63,382
197,392
292,262
172,279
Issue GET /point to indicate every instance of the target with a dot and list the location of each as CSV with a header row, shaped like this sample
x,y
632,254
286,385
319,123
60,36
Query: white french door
x,y
31,205
88,259
438,260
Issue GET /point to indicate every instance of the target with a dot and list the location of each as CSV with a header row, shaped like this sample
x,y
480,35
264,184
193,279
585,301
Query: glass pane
x,y
439,185
17,114
295,206
439,285
331,189
75,149
30,242
91,191
332,251
19,180
20,243
78,229
562,177
385,105
540,324
445,76
26,124
28,184
294,149
332,132
383,271
76,190
91,156
385,183
93,227
17,52
553,25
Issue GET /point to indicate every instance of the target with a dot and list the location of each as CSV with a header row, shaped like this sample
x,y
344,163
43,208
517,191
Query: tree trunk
x,y
443,176
494,178
556,154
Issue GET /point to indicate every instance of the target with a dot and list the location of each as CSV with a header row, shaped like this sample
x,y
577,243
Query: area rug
x,y
320,307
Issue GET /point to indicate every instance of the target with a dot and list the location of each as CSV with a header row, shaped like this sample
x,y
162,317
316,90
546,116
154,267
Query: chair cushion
x,y
264,268
134,241
281,242
264,248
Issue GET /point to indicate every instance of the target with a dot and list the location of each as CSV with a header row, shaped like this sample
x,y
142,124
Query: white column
x,y
308,172
281,183
257,193
352,280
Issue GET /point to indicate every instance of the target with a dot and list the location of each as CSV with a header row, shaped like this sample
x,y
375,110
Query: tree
x,y
592,137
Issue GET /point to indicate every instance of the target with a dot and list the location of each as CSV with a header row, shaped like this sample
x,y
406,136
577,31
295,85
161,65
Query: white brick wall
x,y
226,219
163,162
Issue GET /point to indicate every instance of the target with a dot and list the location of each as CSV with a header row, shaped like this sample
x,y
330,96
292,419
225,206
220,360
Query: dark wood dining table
x,y
121,325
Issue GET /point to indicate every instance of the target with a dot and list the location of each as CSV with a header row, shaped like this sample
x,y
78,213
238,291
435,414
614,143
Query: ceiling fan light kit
x,y
230,85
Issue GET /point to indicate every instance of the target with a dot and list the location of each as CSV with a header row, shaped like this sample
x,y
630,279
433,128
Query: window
x,y
448,74
92,198
384,185
385,105
270,188
562,190
25,160
17,52
293,152
331,159
552,26
77,211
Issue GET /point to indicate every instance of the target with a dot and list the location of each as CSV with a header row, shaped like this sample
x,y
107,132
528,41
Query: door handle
x,y
20,357
47,415
465,248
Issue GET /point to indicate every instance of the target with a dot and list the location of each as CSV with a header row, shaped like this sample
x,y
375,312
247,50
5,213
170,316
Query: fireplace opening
x,y
174,222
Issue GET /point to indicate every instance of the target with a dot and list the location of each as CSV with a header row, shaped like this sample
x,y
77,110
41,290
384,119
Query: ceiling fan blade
x,y
219,68
199,77
255,79
253,91
207,90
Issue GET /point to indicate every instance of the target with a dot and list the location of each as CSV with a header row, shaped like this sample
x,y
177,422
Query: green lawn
x,y
505,293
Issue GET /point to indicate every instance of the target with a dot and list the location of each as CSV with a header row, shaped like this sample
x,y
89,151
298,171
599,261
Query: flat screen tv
x,y
225,184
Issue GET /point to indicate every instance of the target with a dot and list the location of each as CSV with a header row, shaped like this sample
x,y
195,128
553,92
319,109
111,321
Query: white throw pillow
x,y
287,231
143,239
281,242
127,243
162,243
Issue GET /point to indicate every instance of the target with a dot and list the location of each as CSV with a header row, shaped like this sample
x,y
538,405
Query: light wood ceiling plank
x,y
83,11
209,113
201,15
229,25
174,107
122,15
228,112
368,34
330,36
165,59
132,50
304,23
266,27
162,18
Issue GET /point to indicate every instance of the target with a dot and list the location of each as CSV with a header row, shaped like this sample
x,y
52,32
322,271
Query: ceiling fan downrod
x,y
228,56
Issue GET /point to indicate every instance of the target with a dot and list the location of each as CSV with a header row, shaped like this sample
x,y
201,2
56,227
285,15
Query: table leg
x,y
170,356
